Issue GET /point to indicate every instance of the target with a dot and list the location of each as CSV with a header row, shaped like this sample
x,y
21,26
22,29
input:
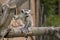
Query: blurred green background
x,y
51,10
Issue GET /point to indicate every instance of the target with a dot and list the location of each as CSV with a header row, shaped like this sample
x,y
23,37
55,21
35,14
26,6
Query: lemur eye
x,y
21,11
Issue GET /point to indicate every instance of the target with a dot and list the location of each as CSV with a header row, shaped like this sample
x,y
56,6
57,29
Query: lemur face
x,y
25,12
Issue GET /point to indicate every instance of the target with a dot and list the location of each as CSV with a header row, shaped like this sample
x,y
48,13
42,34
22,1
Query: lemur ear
x,y
22,10
28,11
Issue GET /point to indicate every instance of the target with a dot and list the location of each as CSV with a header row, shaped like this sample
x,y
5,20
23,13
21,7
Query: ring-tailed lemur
x,y
26,18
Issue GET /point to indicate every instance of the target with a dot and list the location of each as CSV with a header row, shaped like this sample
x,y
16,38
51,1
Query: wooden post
x,y
17,10
37,12
38,17
32,7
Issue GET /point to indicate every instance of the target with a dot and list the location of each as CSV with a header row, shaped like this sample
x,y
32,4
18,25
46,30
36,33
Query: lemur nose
x,y
26,16
25,13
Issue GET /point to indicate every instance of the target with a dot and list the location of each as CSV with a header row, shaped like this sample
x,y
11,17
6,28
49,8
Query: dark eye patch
x,y
22,11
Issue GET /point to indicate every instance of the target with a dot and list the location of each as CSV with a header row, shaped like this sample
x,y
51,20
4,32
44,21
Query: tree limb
x,y
34,31
15,3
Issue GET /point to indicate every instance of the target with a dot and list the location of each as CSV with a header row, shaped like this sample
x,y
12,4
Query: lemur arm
x,y
29,21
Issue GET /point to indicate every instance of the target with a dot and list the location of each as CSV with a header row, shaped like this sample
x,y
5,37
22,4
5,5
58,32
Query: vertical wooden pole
x,y
17,11
32,8
37,16
37,12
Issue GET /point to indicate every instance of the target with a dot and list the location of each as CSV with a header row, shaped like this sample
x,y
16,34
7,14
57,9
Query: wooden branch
x,y
34,31
15,3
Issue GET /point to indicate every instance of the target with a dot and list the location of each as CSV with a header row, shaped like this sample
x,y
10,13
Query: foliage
x,y
53,20
49,6
49,10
